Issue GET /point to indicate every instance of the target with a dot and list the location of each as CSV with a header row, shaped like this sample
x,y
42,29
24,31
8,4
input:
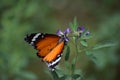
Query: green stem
x,y
76,56
76,47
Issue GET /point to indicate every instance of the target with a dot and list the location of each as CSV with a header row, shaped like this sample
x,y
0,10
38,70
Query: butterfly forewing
x,y
46,44
46,49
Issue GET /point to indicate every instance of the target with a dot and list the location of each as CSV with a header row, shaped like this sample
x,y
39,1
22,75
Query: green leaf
x,y
71,26
75,76
67,53
84,42
74,24
63,77
103,45
55,76
89,52
60,72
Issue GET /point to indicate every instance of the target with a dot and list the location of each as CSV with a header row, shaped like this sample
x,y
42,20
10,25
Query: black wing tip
x,y
28,38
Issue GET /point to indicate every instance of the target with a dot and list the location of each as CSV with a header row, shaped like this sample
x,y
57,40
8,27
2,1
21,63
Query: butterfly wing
x,y
53,58
44,43
53,54
49,47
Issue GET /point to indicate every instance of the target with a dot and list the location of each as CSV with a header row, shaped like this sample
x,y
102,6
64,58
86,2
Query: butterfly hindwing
x,y
53,58
53,64
53,54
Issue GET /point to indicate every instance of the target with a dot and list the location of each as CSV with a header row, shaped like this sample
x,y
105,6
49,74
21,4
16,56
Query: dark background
x,y
18,60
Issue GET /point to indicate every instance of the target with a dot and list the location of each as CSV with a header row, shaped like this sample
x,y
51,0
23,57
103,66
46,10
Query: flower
x,y
80,29
67,31
64,34
87,33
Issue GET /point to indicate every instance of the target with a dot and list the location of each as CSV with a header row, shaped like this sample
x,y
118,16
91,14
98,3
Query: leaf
x,y
60,72
103,45
75,76
84,42
67,53
74,24
55,76
63,77
89,52
71,26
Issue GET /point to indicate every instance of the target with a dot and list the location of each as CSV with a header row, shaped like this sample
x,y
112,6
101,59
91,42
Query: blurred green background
x,y
18,60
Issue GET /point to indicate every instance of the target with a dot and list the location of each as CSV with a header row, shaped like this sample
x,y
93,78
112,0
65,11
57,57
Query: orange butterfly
x,y
49,46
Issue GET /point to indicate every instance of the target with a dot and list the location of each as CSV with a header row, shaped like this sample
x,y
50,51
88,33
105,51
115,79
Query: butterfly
x,y
49,47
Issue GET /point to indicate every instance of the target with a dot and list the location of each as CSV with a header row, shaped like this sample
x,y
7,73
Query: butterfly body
x,y
49,46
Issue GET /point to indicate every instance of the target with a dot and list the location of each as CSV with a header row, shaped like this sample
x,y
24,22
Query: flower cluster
x,y
78,33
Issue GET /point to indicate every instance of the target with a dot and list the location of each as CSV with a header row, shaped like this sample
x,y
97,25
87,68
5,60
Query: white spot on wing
x,y
42,36
34,38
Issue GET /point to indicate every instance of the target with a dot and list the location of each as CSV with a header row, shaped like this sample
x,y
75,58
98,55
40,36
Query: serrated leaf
x,y
75,76
84,43
67,53
103,45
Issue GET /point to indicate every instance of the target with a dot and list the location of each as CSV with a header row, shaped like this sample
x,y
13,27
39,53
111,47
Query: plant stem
x,y
76,56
